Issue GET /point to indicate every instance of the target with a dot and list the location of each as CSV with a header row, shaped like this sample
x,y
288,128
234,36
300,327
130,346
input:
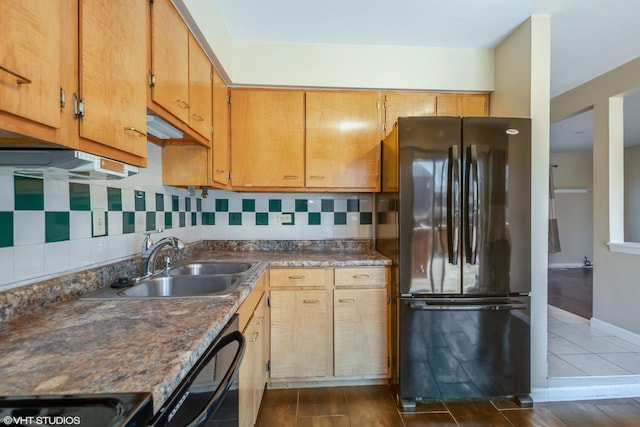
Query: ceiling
x,y
588,37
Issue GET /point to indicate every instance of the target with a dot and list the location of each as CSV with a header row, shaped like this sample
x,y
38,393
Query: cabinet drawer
x,y
288,277
361,276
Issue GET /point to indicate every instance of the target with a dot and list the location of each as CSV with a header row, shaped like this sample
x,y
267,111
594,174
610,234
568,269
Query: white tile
x,y
597,344
627,361
570,330
80,253
141,222
366,204
560,368
98,197
57,256
340,204
563,346
80,225
115,247
99,250
7,192
626,345
28,228
114,219
29,261
593,364
56,195
128,200
7,265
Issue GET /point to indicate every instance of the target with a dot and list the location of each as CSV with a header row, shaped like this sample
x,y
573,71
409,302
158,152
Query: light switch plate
x,y
99,220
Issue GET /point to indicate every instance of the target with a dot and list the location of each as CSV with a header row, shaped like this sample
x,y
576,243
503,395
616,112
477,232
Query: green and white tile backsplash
x,y
46,225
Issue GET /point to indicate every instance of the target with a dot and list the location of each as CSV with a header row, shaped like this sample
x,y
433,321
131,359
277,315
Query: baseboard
x,y
588,388
615,330
559,265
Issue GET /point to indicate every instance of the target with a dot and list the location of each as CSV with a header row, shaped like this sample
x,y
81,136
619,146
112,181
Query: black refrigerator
x,y
454,217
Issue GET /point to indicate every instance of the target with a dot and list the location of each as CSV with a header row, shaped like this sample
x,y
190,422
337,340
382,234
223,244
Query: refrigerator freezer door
x,y
429,197
463,349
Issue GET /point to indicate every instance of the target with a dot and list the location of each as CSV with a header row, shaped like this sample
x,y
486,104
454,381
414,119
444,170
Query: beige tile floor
x,y
575,349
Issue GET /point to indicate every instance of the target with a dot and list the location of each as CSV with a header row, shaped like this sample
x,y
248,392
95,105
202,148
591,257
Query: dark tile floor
x,y
365,406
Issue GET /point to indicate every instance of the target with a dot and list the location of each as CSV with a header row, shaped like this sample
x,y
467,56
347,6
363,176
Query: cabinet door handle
x,y
297,277
136,131
291,177
361,276
312,301
198,117
347,300
255,337
20,78
316,177
183,103
220,171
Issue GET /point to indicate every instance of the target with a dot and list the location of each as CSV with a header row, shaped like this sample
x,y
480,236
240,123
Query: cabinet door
x,y
343,140
462,104
261,343
170,59
30,60
267,138
221,137
247,376
200,92
299,325
402,104
360,332
113,73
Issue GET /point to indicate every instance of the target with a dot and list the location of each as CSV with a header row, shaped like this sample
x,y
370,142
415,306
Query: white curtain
x,y
554,238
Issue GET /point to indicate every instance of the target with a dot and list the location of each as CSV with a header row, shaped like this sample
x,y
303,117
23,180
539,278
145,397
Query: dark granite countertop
x,y
78,346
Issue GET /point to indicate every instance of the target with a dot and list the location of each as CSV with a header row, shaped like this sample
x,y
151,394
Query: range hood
x,y
52,163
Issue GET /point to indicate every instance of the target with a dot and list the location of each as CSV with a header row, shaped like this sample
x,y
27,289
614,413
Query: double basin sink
x,y
197,279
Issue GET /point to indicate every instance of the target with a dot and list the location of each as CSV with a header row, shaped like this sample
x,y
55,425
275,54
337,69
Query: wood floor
x,y
375,406
571,289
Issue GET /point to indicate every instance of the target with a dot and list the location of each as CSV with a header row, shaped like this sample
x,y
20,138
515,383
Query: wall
x,y
522,85
632,194
46,228
615,290
574,210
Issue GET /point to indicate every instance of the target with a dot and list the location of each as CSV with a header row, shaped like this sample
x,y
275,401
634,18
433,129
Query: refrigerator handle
x,y
472,214
453,205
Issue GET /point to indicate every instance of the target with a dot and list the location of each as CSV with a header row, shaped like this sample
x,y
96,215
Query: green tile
x,y
175,203
275,205
168,220
235,218
326,205
151,221
28,194
56,226
140,200
159,202
293,218
353,205
182,218
302,205
79,196
314,218
248,205
222,205
114,199
128,222
199,205
187,204
339,218
366,218
208,218
6,229
262,218
194,218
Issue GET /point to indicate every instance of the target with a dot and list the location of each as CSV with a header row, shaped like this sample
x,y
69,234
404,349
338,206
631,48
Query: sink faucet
x,y
150,251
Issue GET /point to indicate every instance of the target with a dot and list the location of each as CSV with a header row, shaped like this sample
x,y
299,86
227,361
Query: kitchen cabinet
x,y
112,69
468,104
400,104
220,154
267,138
200,90
343,133
252,377
30,61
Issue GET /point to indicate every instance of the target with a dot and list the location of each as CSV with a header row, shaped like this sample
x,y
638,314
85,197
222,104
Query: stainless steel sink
x,y
182,286
200,268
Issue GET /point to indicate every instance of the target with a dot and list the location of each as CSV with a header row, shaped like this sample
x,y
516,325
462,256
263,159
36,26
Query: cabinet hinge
x,y
384,105
62,99
78,107
152,78
229,99
268,298
268,366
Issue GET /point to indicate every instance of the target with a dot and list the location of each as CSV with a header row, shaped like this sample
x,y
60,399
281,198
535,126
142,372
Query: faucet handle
x,y
147,242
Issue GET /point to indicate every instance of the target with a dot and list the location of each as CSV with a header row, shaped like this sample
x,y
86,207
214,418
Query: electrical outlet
x,y
99,222
284,218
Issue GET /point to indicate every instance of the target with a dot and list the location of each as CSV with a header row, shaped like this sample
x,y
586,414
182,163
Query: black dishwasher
x,y
208,396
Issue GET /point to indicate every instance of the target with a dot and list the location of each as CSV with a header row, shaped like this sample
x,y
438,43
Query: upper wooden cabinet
x,y
221,149
403,104
113,65
30,66
468,104
200,91
343,132
267,138
169,60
